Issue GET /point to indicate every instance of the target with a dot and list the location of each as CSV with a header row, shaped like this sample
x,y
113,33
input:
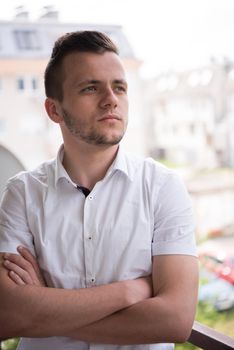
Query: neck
x,y
88,164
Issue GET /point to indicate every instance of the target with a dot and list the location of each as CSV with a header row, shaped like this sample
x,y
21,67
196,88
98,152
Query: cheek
x,y
87,107
126,107
123,103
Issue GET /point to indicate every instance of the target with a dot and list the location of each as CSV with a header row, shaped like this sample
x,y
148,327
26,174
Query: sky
x,y
165,34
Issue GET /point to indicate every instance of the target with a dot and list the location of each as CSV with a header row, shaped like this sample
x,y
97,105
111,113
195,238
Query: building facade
x,y
191,116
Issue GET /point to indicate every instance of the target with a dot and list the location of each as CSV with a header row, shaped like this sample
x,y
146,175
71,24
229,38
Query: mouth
x,y
109,117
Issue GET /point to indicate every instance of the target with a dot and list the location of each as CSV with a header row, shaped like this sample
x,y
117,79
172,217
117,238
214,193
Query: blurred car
x,y
217,291
225,301
216,258
219,263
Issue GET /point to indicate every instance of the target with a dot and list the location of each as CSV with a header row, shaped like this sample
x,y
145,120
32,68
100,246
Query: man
x,y
103,225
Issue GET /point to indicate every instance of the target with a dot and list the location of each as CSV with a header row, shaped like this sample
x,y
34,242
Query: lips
x,y
110,117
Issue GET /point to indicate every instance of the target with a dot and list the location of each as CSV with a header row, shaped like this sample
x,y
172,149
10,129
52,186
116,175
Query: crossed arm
x,y
39,311
118,313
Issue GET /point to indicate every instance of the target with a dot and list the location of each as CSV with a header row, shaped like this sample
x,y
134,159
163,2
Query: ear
x,y
53,110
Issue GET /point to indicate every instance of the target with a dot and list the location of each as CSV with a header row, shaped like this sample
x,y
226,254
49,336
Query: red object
x,y
222,267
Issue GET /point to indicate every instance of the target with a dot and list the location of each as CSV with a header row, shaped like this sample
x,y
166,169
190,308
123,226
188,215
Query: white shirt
x,y
139,209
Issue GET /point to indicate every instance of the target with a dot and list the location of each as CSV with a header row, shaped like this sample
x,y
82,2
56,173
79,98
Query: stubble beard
x,y
90,136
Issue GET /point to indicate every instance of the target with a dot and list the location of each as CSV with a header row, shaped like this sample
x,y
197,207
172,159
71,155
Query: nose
x,y
109,99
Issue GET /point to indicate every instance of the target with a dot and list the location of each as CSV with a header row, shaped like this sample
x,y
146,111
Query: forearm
x,y
41,312
153,320
167,317
38,311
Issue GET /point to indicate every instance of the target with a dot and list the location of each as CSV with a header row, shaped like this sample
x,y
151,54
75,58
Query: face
x,y
95,104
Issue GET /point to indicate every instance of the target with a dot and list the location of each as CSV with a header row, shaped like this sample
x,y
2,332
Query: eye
x,y
121,88
90,88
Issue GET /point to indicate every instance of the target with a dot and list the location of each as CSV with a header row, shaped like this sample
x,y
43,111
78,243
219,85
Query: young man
x,y
112,233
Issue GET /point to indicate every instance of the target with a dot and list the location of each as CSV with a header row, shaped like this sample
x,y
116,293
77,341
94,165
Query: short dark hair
x,y
80,41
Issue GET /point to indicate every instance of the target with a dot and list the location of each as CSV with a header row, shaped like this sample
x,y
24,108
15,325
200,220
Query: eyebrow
x,y
86,82
96,82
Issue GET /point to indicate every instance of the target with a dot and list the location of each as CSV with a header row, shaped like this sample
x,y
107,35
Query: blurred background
x,y
179,58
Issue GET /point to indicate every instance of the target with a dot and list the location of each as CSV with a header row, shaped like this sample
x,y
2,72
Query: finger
x,y
37,275
24,275
15,278
26,254
18,260
23,264
20,266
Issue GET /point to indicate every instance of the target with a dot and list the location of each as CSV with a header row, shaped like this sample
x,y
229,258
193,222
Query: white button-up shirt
x,y
138,210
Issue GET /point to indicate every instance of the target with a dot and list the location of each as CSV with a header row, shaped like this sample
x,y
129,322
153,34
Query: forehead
x,y
86,65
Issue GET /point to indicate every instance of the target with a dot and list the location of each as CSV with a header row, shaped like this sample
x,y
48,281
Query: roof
x,y
26,39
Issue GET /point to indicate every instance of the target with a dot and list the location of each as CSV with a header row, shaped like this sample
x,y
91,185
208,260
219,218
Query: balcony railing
x,y
206,338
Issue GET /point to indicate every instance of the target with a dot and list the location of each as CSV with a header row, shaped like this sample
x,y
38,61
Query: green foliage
x,y
221,321
10,344
170,164
186,346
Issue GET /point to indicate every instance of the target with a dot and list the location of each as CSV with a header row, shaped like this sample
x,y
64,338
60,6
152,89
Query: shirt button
x,y
90,198
93,280
90,237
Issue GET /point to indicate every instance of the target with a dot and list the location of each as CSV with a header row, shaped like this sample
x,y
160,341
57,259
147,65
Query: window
x,y
27,83
34,83
20,84
27,39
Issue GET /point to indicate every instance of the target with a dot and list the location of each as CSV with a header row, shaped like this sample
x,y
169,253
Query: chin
x,y
115,140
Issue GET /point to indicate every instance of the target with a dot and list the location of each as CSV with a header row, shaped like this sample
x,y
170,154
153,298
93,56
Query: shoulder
x,y
38,176
160,182
150,169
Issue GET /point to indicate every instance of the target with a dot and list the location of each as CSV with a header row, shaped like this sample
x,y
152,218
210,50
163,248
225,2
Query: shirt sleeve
x,y
14,229
174,220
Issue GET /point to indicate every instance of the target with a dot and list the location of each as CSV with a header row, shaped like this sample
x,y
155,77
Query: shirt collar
x,y
120,163
60,171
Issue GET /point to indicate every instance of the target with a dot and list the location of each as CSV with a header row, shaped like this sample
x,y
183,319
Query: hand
x,y
140,289
23,269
